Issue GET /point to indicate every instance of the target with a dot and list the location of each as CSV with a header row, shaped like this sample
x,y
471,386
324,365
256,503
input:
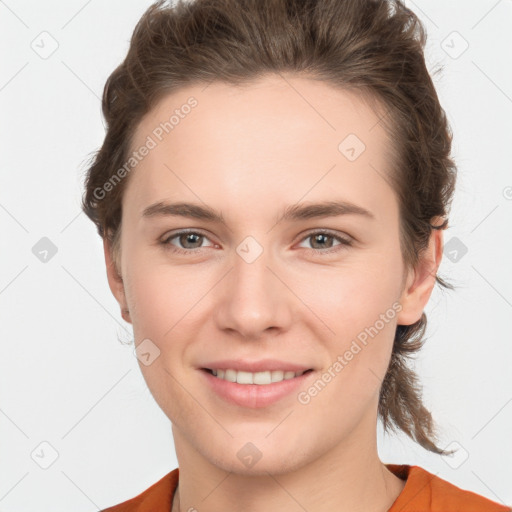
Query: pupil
x,y
189,238
321,237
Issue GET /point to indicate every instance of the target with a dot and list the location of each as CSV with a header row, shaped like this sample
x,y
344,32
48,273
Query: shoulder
x,y
424,491
157,498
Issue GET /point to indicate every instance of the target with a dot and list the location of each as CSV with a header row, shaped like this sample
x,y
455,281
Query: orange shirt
x,y
423,492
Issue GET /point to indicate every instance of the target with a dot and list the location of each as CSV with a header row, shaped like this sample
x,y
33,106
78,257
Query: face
x,y
273,277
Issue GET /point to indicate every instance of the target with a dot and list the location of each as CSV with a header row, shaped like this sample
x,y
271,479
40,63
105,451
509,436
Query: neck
x,y
345,479
392,484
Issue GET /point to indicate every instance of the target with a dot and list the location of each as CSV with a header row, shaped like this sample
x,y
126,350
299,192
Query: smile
x,y
258,393
261,378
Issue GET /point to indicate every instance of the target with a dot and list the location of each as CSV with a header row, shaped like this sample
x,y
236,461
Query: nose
x,y
253,299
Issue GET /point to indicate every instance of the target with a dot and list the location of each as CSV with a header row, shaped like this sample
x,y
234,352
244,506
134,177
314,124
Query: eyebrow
x,y
291,213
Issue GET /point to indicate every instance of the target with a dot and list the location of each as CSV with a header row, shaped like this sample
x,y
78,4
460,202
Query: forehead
x,y
287,106
278,136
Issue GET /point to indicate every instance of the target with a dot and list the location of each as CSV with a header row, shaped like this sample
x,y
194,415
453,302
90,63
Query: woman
x,y
272,193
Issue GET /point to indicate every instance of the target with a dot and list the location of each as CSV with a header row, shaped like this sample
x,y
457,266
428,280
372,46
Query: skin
x,y
249,153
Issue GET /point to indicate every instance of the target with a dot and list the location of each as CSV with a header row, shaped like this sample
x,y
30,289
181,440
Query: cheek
x,y
353,294
150,298
167,302
162,313
358,304
153,290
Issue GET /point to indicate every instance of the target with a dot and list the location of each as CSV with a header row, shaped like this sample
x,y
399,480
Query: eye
x,y
190,240
322,242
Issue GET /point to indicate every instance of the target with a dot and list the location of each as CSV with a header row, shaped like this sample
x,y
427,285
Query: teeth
x,y
261,378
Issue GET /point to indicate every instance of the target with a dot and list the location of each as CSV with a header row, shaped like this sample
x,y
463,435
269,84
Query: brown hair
x,y
371,47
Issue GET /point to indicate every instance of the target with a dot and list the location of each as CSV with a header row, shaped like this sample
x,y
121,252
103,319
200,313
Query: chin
x,y
255,455
276,464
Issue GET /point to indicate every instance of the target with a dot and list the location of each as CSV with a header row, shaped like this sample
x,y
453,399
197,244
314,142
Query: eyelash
x,y
344,242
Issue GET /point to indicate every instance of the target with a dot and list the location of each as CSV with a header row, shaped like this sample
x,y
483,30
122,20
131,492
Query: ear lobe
x,y
115,281
421,281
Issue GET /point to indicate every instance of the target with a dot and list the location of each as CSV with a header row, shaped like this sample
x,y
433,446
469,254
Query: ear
x,y
421,280
115,281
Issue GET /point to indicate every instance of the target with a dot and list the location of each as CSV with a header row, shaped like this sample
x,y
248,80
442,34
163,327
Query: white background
x,y
66,380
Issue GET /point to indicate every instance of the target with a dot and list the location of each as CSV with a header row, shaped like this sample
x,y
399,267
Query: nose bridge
x,y
253,298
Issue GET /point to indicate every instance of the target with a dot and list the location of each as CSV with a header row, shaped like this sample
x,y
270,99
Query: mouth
x,y
260,378
255,390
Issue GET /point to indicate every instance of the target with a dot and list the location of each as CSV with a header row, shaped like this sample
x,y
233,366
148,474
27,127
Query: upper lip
x,y
256,366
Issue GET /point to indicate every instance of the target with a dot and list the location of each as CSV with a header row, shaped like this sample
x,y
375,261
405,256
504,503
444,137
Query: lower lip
x,y
254,396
